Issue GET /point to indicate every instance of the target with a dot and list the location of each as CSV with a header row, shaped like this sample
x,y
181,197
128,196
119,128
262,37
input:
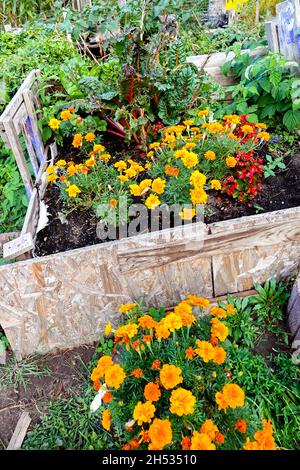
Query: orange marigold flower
x,y
173,322
241,426
201,441
158,185
198,301
134,443
190,159
107,398
77,140
190,353
147,322
154,145
261,125
186,443
264,136
156,364
72,170
184,310
231,396
65,115
220,438
209,428
160,433
106,420
96,385
137,373
170,376
198,196
205,350
182,402
220,355
214,341
232,119
147,338
218,312
210,155
171,171
152,392
203,112
90,137
104,363
231,162
191,145
90,162
115,376
135,344
264,439
126,447
246,129
143,412
161,331
113,202
232,136
218,329
230,309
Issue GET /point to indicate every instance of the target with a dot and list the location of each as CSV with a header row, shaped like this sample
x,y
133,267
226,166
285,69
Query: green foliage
x,y
17,12
19,372
13,198
268,89
272,164
68,425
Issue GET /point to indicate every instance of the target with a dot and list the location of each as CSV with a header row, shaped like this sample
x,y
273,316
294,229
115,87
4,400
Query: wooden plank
x,y
272,35
16,101
19,118
19,432
19,155
18,246
32,127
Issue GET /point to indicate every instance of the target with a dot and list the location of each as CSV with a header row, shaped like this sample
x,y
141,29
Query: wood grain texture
x,y
65,300
20,432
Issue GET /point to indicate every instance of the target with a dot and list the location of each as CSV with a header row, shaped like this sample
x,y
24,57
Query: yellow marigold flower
x,y
198,196
197,179
231,396
232,119
188,122
115,376
205,350
190,159
91,162
261,125
90,137
65,115
108,329
98,148
209,428
145,184
201,441
218,312
203,112
215,127
152,201
129,330
195,129
160,433
185,312
146,321
77,141
105,157
148,166
215,184
51,169
173,322
73,190
54,124
143,412
106,420
218,329
198,301
264,136
180,153
150,154
231,162
121,165
104,363
190,145
130,173
61,163
232,136
162,331
154,145
135,189
158,185
125,308
220,355
246,129
187,213
182,402
152,392
210,155
51,178
123,178
170,376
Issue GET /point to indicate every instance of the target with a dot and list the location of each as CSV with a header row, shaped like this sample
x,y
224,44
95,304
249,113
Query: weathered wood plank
x,y
19,432
17,100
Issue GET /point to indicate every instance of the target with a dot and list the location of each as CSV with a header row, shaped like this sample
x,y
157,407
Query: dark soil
x,y
79,229
66,375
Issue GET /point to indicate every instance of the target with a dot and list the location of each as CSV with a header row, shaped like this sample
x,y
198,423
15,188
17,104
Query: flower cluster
x,y
169,385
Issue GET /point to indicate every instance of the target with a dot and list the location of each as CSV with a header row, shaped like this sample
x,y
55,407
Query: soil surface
x,y
64,376
79,228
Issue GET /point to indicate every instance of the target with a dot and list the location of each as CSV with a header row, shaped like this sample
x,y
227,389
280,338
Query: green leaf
x,y
291,119
253,118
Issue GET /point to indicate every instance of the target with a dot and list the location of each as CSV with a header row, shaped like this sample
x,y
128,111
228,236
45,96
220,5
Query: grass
x,y
16,373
